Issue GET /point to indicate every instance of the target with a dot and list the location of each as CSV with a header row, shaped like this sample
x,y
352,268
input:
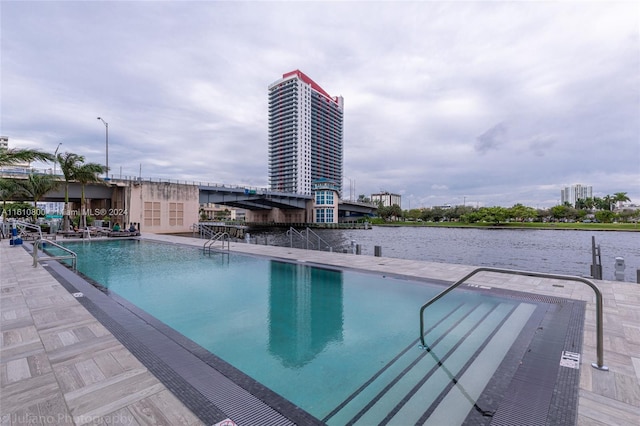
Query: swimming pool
x,y
340,344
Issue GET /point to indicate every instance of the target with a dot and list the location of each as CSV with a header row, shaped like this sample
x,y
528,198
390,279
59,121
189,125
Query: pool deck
x,y
60,365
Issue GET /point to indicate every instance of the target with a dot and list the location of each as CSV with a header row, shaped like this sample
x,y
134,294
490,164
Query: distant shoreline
x,y
622,227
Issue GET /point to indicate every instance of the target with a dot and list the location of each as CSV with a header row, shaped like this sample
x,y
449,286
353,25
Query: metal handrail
x,y
309,231
193,228
305,237
206,232
72,255
26,225
293,231
220,236
599,328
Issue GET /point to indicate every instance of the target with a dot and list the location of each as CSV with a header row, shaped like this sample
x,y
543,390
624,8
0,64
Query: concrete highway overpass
x,y
229,195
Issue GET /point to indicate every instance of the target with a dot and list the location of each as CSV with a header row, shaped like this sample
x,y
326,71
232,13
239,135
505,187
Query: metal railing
x,y
220,236
24,228
205,232
599,328
70,254
306,240
207,229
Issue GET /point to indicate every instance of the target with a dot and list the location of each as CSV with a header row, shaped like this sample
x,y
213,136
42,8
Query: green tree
x,y
457,212
69,164
472,217
559,212
620,197
84,174
8,190
426,215
17,210
35,187
521,213
494,215
9,157
605,216
384,212
589,203
599,203
396,211
607,202
628,215
572,213
435,214
413,214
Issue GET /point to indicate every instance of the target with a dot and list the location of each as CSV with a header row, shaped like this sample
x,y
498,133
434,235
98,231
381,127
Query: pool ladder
x,y
599,329
219,236
42,242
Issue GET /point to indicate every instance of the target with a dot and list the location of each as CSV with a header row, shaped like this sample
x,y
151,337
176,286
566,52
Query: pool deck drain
x,y
59,364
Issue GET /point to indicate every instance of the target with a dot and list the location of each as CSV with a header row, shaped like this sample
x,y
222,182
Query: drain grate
x,y
545,299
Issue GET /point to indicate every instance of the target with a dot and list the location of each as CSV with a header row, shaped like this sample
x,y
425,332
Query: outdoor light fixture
x,y
55,158
106,126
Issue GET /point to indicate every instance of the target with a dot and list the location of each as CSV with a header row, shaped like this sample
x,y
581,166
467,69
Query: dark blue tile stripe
x,y
210,394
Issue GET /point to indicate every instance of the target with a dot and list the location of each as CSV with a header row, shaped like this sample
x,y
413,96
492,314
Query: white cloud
x,y
489,102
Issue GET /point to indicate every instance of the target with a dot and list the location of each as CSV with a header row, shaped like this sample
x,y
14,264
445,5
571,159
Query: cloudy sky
x,y
478,103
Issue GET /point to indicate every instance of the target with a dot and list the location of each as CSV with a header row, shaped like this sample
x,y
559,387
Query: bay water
x,y
566,252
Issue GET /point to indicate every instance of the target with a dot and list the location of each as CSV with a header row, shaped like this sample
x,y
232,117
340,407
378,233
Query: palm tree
x,y
608,200
8,189
69,164
620,197
35,187
13,156
87,173
589,203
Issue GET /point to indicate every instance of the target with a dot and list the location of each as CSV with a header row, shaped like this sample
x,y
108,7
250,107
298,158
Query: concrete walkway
x,y
59,365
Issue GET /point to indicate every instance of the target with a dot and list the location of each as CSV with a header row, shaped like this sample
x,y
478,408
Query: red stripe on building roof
x,y
315,86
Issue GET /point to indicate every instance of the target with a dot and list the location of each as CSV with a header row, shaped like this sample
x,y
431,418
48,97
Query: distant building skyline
x,y
306,140
571,194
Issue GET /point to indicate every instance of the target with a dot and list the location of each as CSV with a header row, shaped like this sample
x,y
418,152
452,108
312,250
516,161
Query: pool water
x,y
340,344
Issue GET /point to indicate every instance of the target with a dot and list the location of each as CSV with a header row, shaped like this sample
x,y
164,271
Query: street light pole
x,y
55,158
106,127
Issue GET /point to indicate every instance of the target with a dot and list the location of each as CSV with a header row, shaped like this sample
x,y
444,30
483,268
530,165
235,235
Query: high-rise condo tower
x,y
305,134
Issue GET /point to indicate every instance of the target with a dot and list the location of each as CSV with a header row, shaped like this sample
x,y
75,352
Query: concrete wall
x,y
158,207
276,215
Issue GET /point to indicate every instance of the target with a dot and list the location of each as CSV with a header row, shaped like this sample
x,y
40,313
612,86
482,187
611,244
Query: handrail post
x,y
599,315
35,254
72,255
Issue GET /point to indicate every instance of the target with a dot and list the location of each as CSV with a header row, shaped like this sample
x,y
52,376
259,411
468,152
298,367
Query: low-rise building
x,y
386,198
